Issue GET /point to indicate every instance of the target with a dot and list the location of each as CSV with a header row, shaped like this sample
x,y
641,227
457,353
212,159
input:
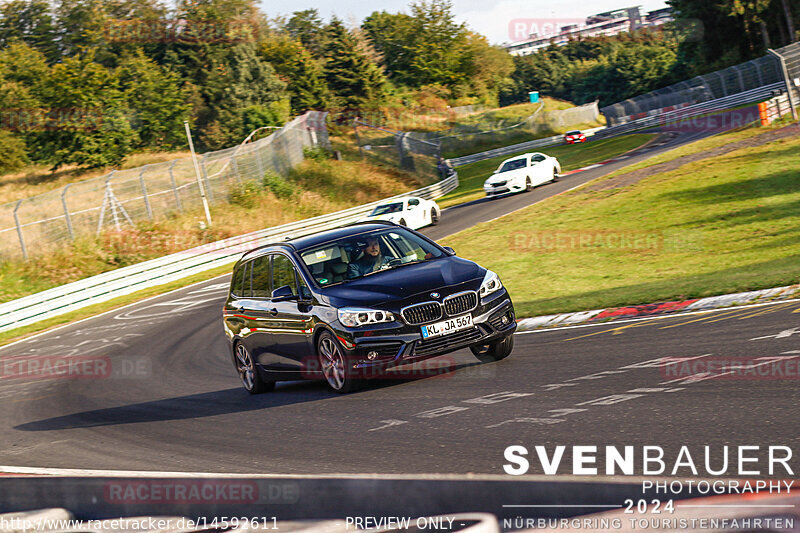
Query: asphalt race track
x,y
165,396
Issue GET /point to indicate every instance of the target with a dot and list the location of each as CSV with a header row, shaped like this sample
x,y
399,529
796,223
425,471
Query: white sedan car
x,y
411,212
522,173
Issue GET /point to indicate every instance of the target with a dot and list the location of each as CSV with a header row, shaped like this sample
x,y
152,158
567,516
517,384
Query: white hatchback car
x,y
522,173
412,212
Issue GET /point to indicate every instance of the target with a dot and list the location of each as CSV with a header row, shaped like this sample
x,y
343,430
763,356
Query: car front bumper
x,y
492,321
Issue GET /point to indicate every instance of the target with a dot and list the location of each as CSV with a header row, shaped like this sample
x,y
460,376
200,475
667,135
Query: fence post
x,y
741,78
259,162
209,192
175,187
66,210
757,65
19,231
721,83
355,133
144,192
235,167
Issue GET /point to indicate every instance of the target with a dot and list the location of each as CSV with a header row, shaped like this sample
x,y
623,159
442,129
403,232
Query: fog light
x,y
504,320
372,355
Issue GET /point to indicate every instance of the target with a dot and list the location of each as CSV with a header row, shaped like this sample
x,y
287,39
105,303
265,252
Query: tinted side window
x,y
413,202
283,273
246,273
237,280
261,285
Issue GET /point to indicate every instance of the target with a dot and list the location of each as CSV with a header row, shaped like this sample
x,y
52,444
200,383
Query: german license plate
x,y
446,327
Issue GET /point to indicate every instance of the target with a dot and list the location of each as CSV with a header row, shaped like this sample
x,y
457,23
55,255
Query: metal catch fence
x,y
151,192
723,83
419,151
399,149
470,136
789,60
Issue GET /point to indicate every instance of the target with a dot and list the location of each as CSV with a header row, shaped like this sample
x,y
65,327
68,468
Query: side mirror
x,y
449,250
284,294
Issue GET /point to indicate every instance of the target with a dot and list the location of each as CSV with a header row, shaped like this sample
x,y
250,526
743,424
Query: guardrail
x,y
720,104
514,148
122,281
752,96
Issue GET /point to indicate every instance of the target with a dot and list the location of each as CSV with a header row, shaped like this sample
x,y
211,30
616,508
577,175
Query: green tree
x,y
90,124
297,68
393,35
306,26
353,80
238,80
30,22
733,31
157,102
81,26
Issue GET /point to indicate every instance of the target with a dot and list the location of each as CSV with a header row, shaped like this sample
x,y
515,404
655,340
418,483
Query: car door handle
x,y
273,311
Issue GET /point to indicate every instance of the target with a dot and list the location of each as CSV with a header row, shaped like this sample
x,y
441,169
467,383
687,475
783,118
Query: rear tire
x,y
434,217
495,351
248,373
335,369
555,175
402,222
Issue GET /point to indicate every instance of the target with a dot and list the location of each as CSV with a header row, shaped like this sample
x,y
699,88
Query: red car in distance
x,y
574,136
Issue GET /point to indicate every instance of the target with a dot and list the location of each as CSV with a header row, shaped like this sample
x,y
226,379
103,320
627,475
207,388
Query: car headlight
x,y
353,317
491,283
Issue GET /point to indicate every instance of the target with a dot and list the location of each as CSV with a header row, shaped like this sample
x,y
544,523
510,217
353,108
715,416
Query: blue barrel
x,y
534,96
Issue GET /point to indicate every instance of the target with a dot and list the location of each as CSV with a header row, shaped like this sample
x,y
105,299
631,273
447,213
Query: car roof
x,y
302,243
309,241
520,156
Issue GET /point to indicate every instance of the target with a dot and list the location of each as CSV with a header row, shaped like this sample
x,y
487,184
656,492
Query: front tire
x,y
555,175
434,217
335,369
494,351
402,222
248,373
528,184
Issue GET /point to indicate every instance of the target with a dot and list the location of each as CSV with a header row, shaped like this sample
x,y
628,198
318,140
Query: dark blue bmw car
x,y
346,304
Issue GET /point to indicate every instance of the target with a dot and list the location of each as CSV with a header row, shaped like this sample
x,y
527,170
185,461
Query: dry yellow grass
x,y
313,188
38,179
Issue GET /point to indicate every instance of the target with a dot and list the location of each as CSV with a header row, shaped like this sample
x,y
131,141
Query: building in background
x,y
610,23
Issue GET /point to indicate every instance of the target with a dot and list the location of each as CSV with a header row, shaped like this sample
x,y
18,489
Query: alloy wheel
x,y
332,363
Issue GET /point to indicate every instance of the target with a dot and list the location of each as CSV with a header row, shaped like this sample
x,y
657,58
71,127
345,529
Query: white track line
x,y
114,310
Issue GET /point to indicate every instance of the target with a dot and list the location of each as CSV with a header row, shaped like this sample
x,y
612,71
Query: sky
x,y
494,19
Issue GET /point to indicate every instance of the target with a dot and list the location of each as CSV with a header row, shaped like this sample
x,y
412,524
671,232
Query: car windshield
x,y
361,255
387,208
573,132
513,165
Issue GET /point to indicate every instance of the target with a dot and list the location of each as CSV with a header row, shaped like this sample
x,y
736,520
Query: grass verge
x,y
571,157
723,224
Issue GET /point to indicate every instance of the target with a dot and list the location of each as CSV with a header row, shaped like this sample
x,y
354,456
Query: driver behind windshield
x,y
372,259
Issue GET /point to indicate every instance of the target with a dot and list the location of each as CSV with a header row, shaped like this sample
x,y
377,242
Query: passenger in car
x,y
372,259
